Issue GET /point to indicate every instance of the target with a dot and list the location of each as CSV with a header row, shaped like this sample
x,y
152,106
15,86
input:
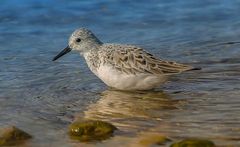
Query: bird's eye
x,y
78,40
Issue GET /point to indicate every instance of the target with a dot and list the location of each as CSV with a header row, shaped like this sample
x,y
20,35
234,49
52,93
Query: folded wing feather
x,y
131,59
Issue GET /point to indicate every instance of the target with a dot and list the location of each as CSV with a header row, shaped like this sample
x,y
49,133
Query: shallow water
x,y
42,97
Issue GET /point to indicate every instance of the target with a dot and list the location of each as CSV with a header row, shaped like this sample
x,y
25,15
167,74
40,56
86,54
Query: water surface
x,y
43,97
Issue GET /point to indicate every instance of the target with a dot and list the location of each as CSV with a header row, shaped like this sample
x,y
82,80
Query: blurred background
x,y
43,97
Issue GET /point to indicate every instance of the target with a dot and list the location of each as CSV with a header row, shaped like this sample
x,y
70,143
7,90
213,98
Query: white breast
x,y
123,81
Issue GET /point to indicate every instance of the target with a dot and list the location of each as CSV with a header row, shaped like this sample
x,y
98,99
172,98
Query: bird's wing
x,y
133,60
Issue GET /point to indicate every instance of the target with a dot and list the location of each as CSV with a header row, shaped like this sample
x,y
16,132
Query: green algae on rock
x,y
91,130
193,142
12,136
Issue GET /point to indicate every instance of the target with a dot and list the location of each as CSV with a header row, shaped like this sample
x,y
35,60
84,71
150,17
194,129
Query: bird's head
x,y
82,40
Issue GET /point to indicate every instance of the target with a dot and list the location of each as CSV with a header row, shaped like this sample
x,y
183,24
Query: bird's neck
x,y
92,59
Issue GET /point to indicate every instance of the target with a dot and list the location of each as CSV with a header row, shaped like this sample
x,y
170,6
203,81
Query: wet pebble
x,y
13,136
193,142
91,130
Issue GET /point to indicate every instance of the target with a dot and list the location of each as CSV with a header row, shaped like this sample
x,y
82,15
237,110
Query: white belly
x,y
123,81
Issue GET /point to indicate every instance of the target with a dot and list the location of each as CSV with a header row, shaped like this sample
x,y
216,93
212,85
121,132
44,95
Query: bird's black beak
x,y
63,52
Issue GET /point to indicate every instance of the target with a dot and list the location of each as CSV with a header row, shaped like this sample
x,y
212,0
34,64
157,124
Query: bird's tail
x,y
195,68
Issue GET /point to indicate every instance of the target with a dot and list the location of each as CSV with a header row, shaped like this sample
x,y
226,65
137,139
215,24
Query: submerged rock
x,y
90,130
193,142
153,139
12,136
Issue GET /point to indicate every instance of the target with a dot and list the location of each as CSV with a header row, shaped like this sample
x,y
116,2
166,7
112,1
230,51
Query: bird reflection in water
x,y
133,110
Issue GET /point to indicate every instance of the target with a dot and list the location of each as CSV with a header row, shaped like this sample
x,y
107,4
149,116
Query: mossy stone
x,y
12,136
90,130
193,142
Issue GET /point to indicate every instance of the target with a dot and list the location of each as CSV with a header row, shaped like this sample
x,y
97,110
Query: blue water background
x,y
43,97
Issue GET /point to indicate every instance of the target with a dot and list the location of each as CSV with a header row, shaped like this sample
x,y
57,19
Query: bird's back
x,y
131,59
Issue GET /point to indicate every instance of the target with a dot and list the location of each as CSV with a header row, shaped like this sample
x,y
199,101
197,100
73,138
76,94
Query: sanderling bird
x,y
124,67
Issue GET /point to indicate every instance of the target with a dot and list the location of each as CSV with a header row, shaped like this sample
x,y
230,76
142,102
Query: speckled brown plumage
x,y
133,60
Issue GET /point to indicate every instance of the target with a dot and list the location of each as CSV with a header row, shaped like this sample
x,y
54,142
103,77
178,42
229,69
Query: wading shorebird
x,y
124,67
